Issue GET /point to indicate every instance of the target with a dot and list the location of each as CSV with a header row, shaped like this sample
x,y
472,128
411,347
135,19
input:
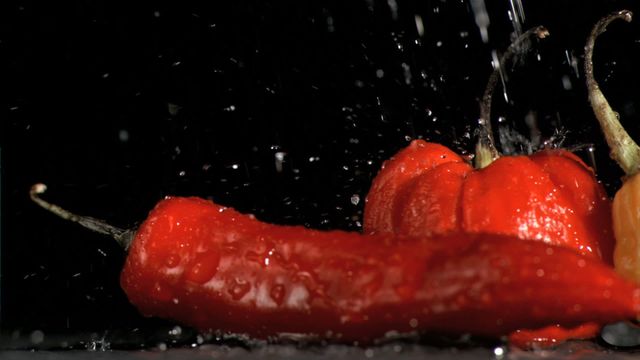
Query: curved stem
x,y
486,151
122,236
623,149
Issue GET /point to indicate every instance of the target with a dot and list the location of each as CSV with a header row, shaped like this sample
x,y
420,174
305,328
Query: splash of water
x,y
482,18
516,15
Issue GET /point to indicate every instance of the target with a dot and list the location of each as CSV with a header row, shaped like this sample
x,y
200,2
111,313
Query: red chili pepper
x,y
552,335
551,196
208,266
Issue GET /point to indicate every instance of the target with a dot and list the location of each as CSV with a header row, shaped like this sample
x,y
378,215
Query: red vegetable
x,y
552,335
551,196
208,266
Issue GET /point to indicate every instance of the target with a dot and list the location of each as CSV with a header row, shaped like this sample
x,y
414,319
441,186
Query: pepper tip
x,y
38,189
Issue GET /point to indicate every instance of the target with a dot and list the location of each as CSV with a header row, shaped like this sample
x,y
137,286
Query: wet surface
x,y
185,343
574,350
284,110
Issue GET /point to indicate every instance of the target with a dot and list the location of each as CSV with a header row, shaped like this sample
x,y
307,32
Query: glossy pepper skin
x,y
552,335
626,227
213,268
551,196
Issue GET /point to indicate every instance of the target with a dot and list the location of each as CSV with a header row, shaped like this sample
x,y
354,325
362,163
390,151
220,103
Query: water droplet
x,y
566,83
277,293
36,337
279,160
176,331
123,135
172,261
355,199
230,108
516,14
393,6
369,353
173,109
203,268
239,289
182,173
482,18
162,346
407,73
156,14
582,263
330,25
419,25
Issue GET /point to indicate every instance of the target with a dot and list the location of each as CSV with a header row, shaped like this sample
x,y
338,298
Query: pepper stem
x,y
122,236
623,149
486,151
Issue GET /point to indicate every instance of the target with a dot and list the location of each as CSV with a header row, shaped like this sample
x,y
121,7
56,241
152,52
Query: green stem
x,y
486,151
122,236
623,149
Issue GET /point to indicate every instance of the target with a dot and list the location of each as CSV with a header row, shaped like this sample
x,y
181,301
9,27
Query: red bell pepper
x,y
208,266
551,196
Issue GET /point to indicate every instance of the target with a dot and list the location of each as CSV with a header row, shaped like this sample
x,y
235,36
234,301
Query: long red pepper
x,y
210,267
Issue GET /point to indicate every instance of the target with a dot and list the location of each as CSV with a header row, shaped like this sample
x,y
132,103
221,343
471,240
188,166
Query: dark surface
x,y
404,352
117,104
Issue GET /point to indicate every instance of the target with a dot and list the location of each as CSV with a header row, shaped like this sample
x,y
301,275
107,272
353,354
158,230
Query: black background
x,y
117,104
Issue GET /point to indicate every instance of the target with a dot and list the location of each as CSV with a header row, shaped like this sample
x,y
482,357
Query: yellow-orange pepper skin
x,y
626,228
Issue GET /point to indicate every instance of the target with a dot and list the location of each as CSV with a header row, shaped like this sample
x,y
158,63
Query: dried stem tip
x,y
122,236
624,150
